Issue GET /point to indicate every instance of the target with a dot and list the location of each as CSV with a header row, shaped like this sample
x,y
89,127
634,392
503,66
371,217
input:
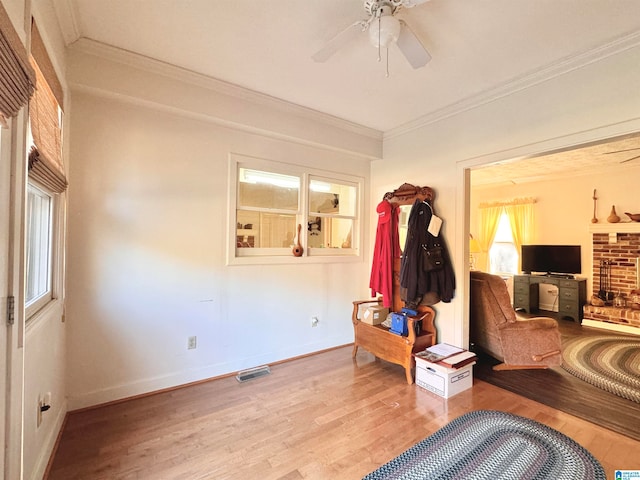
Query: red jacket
x,y
386,249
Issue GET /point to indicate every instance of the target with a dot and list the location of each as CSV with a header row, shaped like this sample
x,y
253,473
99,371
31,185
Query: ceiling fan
x,y
626,150
384,30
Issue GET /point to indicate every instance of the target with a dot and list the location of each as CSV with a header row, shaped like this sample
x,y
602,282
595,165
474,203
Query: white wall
x,y
583,104
147,231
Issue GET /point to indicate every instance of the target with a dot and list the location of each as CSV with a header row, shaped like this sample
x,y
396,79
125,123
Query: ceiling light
x,y
384,31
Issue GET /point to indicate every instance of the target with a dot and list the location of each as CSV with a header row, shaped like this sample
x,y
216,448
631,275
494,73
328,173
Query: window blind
x,y
16,75
45,158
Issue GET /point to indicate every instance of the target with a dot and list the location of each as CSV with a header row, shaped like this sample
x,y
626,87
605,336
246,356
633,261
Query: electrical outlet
x,y
44,404
192,343
315,321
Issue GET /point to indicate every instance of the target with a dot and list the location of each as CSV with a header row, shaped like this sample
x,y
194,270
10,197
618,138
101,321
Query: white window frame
x,y
39,303
265,256
333,252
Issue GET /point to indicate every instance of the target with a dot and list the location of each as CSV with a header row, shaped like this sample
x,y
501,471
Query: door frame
x,y
12,185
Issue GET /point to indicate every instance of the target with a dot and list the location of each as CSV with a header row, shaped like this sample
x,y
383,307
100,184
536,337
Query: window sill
x,y
291,260
52,309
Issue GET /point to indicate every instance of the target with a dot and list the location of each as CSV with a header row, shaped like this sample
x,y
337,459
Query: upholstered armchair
x,y
495,328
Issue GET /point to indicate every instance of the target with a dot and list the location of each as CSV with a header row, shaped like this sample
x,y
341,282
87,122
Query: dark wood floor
x,y
321,417
559,389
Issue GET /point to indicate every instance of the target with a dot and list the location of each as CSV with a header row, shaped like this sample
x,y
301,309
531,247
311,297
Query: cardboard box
x,y
443,381
375,315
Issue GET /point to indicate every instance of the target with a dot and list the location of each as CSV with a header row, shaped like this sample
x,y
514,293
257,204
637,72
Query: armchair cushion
x,y
496,329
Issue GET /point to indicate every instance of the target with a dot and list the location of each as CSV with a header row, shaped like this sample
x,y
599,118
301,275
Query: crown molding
x,y
202,117
67,20
561,67
151,65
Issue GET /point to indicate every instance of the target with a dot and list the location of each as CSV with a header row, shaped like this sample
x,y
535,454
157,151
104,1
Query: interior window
x,y
273,201
503,256
332,213
268,204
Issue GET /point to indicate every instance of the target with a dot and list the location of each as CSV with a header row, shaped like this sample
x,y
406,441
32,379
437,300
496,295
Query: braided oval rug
x,y
492,445
610,363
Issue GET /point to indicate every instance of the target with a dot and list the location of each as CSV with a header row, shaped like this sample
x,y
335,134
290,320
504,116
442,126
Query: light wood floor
x,y
320,417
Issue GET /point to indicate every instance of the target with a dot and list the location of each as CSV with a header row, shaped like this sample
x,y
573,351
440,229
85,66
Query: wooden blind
x,y
16,75
42,170
39,53
45,158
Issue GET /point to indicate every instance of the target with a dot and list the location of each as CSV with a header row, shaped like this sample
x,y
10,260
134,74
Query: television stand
x,y
572,294
560,275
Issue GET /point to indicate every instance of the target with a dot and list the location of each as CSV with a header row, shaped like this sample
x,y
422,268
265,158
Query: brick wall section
x,y
621,316
623,261
624,276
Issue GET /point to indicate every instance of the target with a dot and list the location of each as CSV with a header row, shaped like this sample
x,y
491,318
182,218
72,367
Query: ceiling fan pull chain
x,y
387,62
379,58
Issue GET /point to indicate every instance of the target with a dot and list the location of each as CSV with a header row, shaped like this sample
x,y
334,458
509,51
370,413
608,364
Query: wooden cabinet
x,y
391,347
572,294
525,293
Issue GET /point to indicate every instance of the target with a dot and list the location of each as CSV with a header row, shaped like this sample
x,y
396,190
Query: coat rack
x,y
406,194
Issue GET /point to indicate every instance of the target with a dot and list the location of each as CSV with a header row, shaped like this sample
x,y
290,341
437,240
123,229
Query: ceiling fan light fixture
x,y
386,29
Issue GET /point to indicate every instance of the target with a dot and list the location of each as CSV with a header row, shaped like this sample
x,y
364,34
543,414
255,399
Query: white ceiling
x,y
615,156
478,47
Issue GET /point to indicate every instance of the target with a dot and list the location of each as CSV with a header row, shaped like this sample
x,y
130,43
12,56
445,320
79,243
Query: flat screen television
x,y
551,259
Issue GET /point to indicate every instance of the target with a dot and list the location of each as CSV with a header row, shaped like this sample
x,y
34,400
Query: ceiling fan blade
x,y
625,150
336,43
632,158
413,3
411,48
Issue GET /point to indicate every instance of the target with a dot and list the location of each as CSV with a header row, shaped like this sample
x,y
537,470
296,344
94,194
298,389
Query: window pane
x,y
331,197
268,190
38,244
503,258
265,230
327,232
503,234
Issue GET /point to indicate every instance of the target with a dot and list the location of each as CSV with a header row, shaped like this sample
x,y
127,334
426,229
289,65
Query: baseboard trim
x,y
41,469
196,382
614,327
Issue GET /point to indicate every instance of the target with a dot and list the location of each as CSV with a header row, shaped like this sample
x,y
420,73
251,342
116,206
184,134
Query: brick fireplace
x,y
622,251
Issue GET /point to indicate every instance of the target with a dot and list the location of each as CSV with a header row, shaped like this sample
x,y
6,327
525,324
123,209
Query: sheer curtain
x,y
520,212
521,219
489,218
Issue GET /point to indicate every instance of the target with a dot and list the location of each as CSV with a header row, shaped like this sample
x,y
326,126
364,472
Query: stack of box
x,y
445,370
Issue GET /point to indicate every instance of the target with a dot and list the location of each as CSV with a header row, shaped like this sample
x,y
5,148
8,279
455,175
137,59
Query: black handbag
x,y
432,258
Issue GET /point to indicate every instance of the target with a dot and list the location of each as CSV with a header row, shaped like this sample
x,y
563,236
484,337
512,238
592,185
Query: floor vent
x,y
252,373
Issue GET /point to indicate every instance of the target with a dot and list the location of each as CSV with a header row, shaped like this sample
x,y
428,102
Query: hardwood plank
x,y
319,417
559,389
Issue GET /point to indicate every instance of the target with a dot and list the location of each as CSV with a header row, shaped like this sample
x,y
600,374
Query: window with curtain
x,y
504,228
46,180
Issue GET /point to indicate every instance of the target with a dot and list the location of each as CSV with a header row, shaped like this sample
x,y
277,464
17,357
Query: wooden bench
x,y
388,346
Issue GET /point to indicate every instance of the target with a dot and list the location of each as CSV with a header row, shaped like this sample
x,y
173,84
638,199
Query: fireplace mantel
x,y
614,228
620,227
